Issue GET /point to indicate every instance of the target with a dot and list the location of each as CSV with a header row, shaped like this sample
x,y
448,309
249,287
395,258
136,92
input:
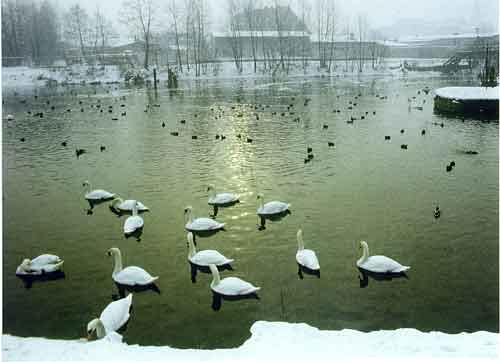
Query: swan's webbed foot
x,y
90,212
261,227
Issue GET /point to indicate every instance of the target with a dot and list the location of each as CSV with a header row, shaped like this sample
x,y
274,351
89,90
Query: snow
x,y
272,341
468,93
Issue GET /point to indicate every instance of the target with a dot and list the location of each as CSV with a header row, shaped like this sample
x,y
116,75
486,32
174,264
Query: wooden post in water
x,y
154,77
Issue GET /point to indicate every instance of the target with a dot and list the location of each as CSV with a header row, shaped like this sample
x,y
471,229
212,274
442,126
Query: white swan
x,y
231,286
272,207
96,195
205,257
127,205
306,257
378,263
222,198
46,263
201,223
134,222
131,275
112,318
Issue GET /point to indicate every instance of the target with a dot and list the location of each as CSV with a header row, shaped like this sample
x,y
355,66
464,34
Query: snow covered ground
x,y
274,341
468,93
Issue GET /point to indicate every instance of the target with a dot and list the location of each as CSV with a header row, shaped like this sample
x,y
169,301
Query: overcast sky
x,y
379,13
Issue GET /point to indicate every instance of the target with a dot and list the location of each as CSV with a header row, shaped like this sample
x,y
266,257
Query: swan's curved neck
x,y
134,209
116,201
192,249
366,253
215,273
118,262
100,330
189,215
261,199
211,192
300,241
88,187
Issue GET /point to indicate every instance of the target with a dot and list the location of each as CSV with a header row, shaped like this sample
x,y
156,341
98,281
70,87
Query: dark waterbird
x,y
79,152
103,148
387,138
404,146
331,144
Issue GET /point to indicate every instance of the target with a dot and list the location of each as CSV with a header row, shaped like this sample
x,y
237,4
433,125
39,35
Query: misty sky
x,y
379,13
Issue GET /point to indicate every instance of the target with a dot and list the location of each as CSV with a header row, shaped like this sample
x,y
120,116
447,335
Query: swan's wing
x,y
45,259
308,259
128,205
382,264
99,195
223,198
20,271
273,207
133,223
235,286
133,275
206,257
204,223
116,314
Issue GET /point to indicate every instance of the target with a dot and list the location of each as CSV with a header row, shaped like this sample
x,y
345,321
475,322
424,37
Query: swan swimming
x,y
96,195
45,263
127,205
378,263
201,223
305,257
134,222
205,257
272,207
112,318
131,275
224,198
230,286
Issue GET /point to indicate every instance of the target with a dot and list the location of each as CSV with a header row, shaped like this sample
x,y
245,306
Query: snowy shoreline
x,y
272,341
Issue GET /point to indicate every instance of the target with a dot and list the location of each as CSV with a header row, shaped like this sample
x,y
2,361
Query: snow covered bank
x,y
276,341
468,93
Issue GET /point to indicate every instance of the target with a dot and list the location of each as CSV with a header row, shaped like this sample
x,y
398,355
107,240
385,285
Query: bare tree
x,y
235,31
174,14
140,15
77,28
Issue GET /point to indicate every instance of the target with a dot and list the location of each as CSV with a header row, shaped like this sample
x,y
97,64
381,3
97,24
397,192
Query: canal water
x,y
363,188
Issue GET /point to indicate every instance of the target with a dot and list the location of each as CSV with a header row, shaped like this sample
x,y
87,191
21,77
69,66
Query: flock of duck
x,y
135,279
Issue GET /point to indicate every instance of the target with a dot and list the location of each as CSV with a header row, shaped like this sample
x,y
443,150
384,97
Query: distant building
x,y
275,30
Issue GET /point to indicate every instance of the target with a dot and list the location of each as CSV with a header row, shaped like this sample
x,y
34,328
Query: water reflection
x,y
135,234
28,279
305,270
122,289
205,269
93,203
274,217
217,299
364,276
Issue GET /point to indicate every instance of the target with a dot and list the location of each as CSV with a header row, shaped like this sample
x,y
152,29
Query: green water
x,y
364,188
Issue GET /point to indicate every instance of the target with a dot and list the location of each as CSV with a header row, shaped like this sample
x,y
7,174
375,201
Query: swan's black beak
x,y
109,253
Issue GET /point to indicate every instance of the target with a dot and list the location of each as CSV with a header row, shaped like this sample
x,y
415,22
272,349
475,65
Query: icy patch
x,y
271,341
468,93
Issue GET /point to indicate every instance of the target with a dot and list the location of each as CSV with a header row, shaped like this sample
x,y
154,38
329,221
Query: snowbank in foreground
x,y
468,93
272,341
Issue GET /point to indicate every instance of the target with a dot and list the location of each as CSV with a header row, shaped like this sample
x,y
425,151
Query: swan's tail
x,y
58,266
403,269
154,279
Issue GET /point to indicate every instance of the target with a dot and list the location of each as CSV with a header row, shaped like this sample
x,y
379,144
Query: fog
x,y
395,17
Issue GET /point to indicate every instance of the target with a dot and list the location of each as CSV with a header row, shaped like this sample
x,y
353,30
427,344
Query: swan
x,y
131,275
96,195
205,257
230,286
46,263
272,207
134,222
201,223
306,257
127,205
112,318
378,263
222,198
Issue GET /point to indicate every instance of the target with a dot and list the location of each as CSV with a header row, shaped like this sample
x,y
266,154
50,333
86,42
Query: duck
x,y
305,257
112,318
131,275
98,194
222,198
437,212
378,263
134,222
45,263
204,258
272,207
120,205
231,286
201,223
